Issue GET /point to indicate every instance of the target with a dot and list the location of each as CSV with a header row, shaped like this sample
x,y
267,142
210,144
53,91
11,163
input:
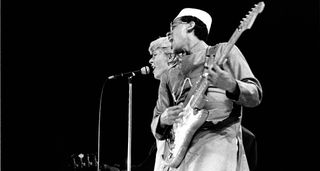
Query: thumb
x,y
226,66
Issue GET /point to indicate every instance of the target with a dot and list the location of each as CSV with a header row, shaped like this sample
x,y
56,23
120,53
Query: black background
x,y
56,56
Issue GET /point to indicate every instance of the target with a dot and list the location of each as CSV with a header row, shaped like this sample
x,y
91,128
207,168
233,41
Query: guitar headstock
x,y
247,22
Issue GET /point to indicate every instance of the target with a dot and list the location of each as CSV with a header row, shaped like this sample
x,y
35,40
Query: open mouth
x,y
153,67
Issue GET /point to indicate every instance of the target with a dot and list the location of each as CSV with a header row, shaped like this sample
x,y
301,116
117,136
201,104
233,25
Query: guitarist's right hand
x,y
170,115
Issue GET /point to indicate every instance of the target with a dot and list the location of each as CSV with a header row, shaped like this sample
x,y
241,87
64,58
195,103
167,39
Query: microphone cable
x,y
99,123
144,70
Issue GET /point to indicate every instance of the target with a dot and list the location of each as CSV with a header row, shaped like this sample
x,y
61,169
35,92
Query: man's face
x,y
178,33
159,62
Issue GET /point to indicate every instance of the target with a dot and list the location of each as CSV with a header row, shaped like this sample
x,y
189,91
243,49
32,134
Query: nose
x,y
151,60
169,35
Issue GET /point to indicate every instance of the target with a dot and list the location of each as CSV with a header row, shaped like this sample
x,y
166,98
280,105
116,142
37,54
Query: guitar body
x,y
192,119
182,133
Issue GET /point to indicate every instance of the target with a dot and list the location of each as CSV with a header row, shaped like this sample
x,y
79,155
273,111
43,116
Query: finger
x,y
216,68
178,109
204,111
212,75
174,112
175,118
224,65
173,108
178,116
178,112
211,70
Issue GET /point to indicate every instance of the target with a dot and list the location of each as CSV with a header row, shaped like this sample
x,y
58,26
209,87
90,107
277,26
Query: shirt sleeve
x,y
163,101
248,91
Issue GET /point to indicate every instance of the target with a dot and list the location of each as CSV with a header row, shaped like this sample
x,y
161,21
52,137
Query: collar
x,y
199,46
191,63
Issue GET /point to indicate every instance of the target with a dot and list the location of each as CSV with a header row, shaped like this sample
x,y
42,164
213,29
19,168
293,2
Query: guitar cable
x,y
152,149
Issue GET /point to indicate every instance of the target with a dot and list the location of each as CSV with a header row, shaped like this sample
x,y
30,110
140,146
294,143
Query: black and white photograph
x,y
159,85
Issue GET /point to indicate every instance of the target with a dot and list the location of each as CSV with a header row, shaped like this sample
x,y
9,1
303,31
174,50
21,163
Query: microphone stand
x,y
129,118
129,124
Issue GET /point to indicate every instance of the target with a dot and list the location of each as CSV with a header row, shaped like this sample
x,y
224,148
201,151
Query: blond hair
x,y
161,42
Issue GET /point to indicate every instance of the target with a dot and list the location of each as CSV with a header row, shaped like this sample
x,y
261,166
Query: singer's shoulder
x,y
171,74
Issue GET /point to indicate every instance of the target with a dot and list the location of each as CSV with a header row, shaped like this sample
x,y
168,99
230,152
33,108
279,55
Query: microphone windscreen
x,y
145,70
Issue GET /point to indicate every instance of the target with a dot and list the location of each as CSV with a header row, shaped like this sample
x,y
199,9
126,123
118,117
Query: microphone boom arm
x,y
144,71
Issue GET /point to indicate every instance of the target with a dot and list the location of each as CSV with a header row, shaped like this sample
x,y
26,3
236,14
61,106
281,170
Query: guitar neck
x,y
201,86
235,36
203,83
245,24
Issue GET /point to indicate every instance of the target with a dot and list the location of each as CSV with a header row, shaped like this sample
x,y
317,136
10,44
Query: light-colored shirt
x,y
210,149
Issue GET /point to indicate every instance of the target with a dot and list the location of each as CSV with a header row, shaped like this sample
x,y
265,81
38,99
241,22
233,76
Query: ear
x,y
191,26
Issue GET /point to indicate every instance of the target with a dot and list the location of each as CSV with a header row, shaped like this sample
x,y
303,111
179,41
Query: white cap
x,y
200,14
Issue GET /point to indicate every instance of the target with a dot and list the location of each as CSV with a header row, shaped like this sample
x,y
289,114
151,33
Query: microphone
x,y
144,71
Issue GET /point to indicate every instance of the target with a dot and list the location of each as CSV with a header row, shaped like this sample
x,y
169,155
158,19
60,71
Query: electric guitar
x,y
192,118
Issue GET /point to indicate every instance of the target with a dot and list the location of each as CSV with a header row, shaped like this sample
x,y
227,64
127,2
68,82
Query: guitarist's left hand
x,y
221,78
